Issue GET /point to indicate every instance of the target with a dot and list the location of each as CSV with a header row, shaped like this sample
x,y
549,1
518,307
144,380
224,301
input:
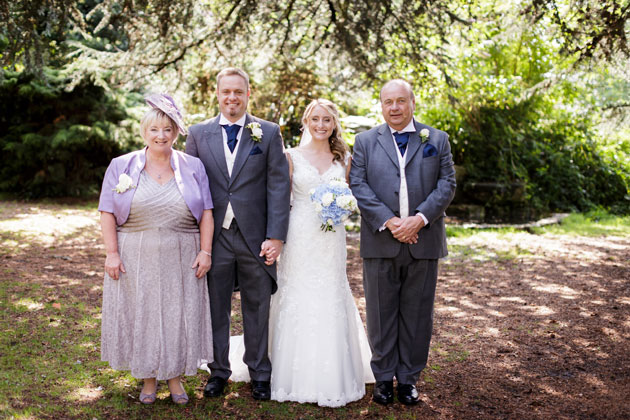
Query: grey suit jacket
x,y
259,188
375,182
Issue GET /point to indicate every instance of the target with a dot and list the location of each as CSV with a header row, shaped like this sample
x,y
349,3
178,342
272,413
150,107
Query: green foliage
x,y
596,222
284,96
59,143
509,81
554,157
510,127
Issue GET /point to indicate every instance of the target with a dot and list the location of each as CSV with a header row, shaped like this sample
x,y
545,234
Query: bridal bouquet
x,y
333,203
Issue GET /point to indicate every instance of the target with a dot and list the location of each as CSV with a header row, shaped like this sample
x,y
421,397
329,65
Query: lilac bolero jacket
x,y
190,176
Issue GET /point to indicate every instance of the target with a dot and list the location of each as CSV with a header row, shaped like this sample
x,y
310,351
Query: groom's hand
x,y
406,231
270,249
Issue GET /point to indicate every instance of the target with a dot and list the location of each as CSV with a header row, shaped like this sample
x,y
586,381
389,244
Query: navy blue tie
x,y
401,140
231,131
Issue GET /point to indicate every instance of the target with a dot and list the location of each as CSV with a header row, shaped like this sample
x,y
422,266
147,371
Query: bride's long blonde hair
x,y
338,146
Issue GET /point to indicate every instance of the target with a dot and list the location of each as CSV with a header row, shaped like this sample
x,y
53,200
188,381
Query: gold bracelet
x,y
209,254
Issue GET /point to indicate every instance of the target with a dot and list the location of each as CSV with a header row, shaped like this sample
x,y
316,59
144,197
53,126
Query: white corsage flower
x,y
124,183
424,135
256,131
327,199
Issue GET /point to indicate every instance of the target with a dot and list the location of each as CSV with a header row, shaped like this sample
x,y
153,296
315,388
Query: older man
x,y
403,178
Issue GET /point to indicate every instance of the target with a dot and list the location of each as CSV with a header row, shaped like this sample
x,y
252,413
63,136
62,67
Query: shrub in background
x,y
57,142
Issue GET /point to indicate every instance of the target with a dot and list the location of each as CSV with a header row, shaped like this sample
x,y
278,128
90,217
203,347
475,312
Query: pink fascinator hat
x,y
166,104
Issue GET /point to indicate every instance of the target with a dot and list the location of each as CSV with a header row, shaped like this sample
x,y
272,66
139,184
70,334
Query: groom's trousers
x,y
231,260
399,295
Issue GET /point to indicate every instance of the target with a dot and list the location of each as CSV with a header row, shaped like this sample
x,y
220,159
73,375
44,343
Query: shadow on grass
x,y
526,326
540,334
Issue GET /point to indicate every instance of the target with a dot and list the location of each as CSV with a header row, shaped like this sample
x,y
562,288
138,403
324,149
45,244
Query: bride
x,y
318,346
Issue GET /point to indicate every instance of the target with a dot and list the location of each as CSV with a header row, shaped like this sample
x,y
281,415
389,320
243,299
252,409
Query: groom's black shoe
x,y
214,387
383,392
407,394
261,390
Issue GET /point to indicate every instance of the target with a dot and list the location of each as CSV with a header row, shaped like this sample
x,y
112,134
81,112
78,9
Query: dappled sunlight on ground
x,y
86,394
526,326
29,304
545,318
47,226
490,245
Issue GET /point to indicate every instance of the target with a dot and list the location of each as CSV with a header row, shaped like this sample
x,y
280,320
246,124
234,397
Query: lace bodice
x,y
307,177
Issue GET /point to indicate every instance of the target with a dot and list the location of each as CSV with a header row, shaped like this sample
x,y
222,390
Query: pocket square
x,y
255,151
429,150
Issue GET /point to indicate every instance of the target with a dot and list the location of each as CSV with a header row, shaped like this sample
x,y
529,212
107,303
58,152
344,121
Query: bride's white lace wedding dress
x,y
317,343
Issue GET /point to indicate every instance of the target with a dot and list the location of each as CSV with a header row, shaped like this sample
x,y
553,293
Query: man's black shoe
x,y
261,390
383,392
214,387
407,394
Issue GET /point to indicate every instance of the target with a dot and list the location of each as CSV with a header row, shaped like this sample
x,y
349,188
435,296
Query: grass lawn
x,y
51,261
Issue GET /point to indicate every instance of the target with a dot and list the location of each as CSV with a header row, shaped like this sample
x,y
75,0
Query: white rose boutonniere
x,y
424,135
124,183
256,131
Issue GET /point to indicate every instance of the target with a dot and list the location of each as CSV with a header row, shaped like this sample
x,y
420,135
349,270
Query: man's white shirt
x,y
403,194
229,159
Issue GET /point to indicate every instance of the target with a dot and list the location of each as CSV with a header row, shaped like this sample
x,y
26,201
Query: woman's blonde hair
x,y
338,146
153,115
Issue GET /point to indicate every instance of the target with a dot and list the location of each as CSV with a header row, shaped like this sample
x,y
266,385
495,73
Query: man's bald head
x,y
399,82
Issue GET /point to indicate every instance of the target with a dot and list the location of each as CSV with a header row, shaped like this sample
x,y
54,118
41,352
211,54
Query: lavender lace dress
x,y
156,318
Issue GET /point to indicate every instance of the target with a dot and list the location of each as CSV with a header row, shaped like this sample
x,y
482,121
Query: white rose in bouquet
x,y
327,199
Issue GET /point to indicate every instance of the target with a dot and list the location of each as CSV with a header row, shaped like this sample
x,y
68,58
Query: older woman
x,y
156,219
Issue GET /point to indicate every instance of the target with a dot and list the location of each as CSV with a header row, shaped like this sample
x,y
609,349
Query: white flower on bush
x,y
124,183
327,199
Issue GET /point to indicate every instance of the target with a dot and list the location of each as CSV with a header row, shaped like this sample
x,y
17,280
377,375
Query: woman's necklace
x,y
154,170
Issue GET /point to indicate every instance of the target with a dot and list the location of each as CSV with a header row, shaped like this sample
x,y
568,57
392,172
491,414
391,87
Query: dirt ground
x,y
526,326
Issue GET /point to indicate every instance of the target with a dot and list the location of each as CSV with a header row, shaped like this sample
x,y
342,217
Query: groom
x,y
403,179
249,180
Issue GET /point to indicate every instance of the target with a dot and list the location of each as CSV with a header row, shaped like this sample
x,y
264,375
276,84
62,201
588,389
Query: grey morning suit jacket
x,y
375,182
259,188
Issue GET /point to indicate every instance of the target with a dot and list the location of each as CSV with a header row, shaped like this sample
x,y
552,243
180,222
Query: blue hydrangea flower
x,y
333,203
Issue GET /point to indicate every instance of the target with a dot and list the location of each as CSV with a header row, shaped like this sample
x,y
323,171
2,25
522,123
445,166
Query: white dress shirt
x,y
229,159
